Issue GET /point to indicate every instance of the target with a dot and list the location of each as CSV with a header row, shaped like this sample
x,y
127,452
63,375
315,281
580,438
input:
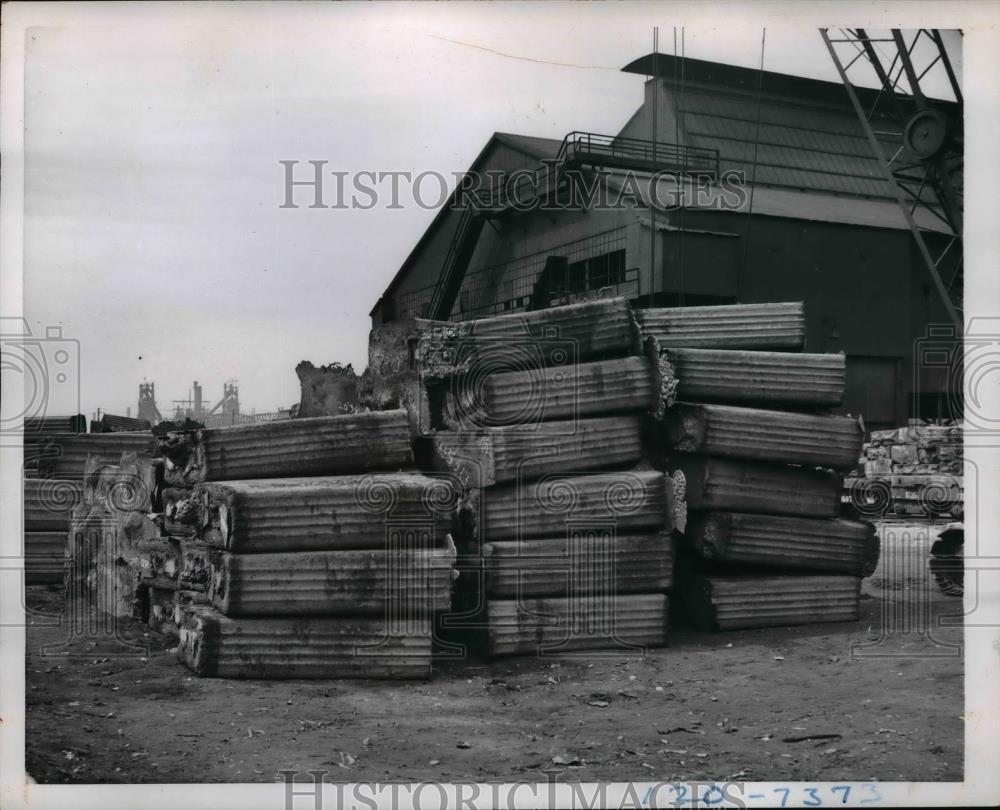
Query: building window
x,y
606,270
596,272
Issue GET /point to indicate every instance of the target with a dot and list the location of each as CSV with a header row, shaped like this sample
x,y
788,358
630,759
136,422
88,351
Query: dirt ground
x,y
791,703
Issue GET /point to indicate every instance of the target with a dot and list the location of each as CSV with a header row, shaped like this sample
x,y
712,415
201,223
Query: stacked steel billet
x,y
55,455
213,645
320,445
495,455
419,364
363,562
721,602
318,556
764,543
330,513
65,456
48,508
576,561
774,327
109,423
568,532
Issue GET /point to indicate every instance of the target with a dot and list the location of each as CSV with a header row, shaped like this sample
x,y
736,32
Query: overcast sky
x,y
153,232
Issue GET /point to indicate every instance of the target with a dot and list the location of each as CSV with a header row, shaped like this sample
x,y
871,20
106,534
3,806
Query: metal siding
x,y
799,145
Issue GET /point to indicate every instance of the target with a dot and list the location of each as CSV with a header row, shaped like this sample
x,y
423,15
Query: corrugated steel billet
x,y
377,510
639,563
49,502
110,423
789,438
552,626
497,455
321,445
764,378
736,326
555,336
44,557
734,603
555,505
66,456
626,385
339,583
835,545
213,645
751,486
35,425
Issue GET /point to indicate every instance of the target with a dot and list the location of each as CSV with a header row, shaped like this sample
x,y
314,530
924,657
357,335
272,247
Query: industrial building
x,y
816,221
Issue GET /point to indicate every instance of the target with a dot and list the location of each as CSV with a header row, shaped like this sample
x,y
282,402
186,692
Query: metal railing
x,y
601,151
589,147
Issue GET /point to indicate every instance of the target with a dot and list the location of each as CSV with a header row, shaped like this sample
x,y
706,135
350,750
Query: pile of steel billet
x,y
565,528
435,369
56,450
359,563
48,507
763,460
308,548
65,455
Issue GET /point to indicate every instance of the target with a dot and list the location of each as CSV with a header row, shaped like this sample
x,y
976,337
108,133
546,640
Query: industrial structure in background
x,y
225,412
819,218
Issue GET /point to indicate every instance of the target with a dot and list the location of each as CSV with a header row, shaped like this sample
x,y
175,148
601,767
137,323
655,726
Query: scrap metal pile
x,y
523,484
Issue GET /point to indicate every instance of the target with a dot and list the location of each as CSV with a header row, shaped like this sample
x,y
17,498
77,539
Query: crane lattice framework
x,y
921,152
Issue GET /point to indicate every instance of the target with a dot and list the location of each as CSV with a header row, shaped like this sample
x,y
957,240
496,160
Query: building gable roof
x,y
531,147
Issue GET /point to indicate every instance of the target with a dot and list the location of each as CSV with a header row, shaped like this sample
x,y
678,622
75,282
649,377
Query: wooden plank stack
x,y
763,460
